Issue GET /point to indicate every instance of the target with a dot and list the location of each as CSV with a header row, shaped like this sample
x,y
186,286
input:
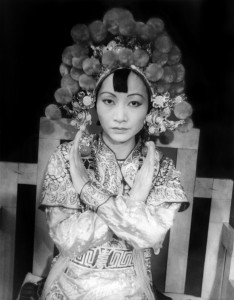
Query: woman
x,y
108,205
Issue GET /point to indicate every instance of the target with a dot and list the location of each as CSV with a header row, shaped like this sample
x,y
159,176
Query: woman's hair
x,y
120,80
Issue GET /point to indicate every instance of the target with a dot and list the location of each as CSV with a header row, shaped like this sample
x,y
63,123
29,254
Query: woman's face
x,y
122,115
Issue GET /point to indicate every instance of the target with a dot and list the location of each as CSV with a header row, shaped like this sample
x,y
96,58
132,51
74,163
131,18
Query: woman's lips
x,y
120,129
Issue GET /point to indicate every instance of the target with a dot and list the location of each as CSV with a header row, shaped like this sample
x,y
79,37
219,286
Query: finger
x,y
71,153
148,163
76,152
74,156
76,141
72,159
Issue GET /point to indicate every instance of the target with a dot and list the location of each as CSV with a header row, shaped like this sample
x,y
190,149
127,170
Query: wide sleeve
x,y
167,188
57,189
143,223
72,227
74,232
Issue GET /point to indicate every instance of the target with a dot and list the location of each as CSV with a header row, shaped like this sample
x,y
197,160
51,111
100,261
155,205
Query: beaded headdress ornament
x,y
118,41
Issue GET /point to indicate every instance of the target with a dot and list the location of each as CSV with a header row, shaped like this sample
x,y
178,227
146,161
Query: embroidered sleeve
x,y
74,232
145,224
138,224
93,195
58,189
167,188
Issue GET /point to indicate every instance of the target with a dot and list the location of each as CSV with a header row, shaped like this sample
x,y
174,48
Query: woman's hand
x,y
78,172
144,177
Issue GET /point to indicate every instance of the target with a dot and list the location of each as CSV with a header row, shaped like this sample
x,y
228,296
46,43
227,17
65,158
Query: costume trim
x,y
105,258
94,195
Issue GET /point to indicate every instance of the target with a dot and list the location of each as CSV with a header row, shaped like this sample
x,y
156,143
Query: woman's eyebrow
x,y
136,94
108,93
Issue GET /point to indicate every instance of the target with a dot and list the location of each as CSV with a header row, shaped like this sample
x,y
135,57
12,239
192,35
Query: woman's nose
x,y
120,113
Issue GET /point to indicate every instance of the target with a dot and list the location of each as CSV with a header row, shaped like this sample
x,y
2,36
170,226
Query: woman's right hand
x,y
144,177
78,172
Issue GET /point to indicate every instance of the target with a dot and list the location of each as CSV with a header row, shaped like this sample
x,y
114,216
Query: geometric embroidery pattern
x,y
105,258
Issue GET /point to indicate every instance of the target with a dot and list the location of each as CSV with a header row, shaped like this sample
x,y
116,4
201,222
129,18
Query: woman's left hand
x,y
78,172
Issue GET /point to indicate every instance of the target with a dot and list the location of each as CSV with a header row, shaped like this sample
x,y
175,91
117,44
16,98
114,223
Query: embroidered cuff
x,y
94,195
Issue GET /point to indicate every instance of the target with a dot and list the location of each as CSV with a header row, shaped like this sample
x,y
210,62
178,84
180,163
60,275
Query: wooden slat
x,y
189,140
203,188
215,253
8,199
214,263
27,174
180,232
43,245
222,189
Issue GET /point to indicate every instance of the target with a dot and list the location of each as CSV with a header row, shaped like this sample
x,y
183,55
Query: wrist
x,y
133,198
79,184
93,195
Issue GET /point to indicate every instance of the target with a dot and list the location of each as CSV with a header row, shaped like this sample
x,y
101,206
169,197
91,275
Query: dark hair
x,y
120,80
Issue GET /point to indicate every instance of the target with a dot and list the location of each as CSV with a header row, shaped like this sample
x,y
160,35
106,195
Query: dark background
x,y
34,34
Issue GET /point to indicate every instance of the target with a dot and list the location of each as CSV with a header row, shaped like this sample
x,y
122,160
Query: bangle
x,y
93,195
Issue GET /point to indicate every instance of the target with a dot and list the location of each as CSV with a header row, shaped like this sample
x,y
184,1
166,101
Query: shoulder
x,y
63,150
59,160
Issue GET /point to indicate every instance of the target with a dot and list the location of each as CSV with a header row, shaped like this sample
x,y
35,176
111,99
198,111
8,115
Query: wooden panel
x,y
214,263
189,140
180,232
8,199
203,188
43,245
222,189
27,174
215,253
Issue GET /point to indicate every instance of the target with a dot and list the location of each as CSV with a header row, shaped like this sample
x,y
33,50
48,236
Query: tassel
x,y
142,276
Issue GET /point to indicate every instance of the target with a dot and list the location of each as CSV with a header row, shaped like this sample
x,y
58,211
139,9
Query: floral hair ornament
x,y
118,41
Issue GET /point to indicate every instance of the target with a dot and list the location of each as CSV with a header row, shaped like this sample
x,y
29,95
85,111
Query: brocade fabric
x,y
99,245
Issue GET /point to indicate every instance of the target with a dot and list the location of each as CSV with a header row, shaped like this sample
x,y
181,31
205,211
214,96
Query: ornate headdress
x,y
118,41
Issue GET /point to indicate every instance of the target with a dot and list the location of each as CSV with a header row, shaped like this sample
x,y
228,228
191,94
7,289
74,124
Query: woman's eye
x,y
135,103
108,101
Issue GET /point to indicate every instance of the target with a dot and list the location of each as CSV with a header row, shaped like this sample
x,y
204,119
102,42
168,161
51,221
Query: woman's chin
x,y
118,138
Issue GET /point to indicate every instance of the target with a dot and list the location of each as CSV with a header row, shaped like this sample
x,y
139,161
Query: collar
x,y
108,172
